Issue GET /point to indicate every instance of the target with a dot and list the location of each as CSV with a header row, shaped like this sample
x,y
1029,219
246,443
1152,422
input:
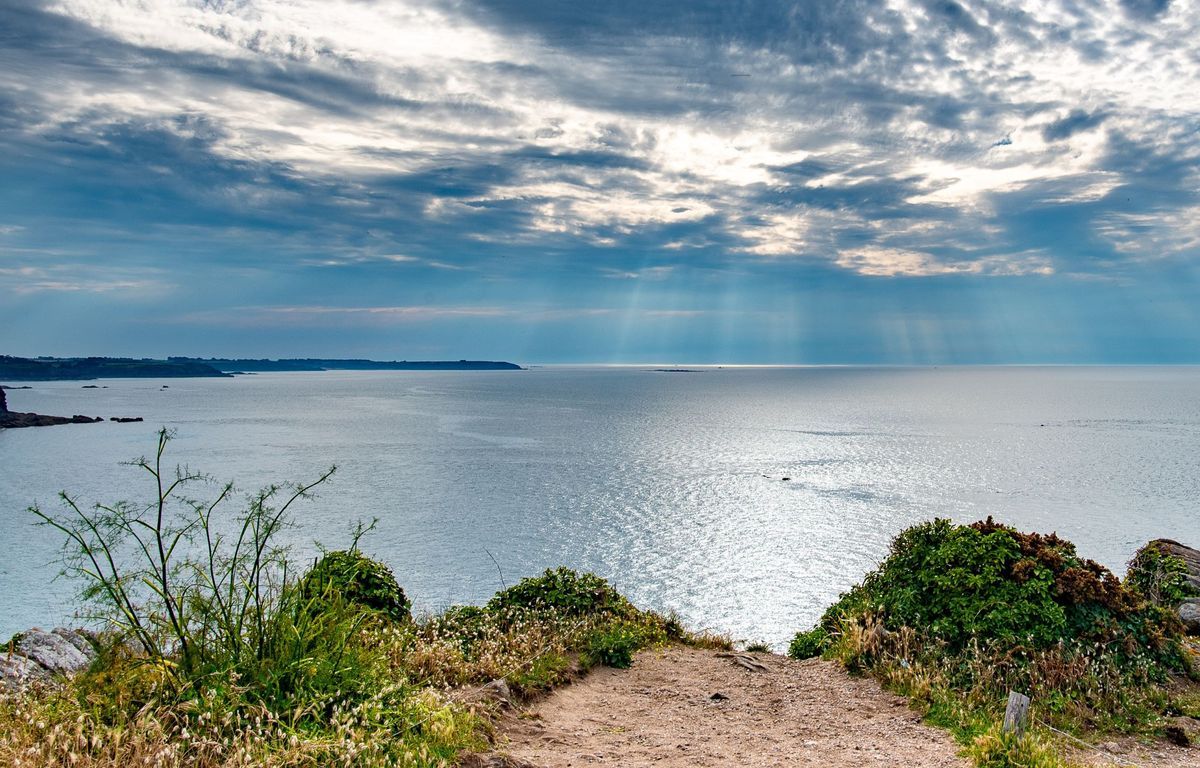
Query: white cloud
x,y
893,262
440,89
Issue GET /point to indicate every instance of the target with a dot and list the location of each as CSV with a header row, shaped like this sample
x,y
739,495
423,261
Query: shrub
x,y
216,654
359,581
958,615
165,576
987,583
613,646
468,624
806,645
564,592
995,749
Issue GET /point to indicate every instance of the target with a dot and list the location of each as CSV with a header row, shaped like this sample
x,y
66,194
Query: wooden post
x,y
1016,713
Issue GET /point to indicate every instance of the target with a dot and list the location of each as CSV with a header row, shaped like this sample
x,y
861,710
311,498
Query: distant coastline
x,y
89,368
226,365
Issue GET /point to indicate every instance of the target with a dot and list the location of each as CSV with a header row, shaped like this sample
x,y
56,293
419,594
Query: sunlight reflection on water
x,y
671,485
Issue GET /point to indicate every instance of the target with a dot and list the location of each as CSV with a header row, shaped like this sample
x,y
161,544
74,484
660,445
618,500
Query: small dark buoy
x,y
786,479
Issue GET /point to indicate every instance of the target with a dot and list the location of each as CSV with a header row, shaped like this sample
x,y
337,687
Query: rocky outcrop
x,y
14,420
1189,610
1147,568
38,655
1189,614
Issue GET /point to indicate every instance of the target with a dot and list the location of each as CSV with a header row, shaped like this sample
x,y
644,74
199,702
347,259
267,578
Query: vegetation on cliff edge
x,y
958,615
218,651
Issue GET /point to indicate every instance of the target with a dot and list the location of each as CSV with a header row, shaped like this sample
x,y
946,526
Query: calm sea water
x,y
669,484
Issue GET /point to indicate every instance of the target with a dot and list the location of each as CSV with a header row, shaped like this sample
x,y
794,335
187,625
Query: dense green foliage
x,y
615,644
613,647
806,645
987,584
351,576
564,592
958,615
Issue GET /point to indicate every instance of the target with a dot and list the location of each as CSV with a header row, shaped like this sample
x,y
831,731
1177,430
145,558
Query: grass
x,y
410,703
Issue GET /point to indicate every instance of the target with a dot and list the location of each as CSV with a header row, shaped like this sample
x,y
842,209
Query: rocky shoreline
x,y
16,420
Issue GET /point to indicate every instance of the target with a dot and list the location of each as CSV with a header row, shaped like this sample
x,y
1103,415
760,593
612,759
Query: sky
x,y
708,181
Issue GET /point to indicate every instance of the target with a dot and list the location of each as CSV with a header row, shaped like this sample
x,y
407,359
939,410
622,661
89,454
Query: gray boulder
x,y
1189,614
16,672
78,638
62,651
1189,556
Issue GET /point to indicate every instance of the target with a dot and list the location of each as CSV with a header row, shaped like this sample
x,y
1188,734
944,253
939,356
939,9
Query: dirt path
x,y
668,711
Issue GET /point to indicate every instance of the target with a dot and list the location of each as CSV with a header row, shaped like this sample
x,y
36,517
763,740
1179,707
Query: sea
x,y
744,499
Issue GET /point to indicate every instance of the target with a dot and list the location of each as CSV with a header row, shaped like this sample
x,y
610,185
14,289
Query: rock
x,y
16,672
1183,731
1189,556
1189,614
497,691
79,639
53,651
14,420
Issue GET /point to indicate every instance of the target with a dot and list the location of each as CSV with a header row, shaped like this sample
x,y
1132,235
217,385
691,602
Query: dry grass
x,y
126,712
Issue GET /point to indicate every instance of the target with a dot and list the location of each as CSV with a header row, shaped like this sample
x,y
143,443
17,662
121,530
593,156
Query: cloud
x,y
646,273
1074,122
432,152
1145,9
893,262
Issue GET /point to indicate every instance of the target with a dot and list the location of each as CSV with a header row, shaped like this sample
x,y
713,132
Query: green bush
x,y
358,580
614,646
564,592
987,583
806,645
958,615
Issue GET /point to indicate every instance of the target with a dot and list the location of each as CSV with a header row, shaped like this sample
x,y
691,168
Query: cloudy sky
x,y
898,181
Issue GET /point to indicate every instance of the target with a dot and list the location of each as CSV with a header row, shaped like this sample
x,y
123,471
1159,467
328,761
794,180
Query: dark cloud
x,y
1074,122
1145,9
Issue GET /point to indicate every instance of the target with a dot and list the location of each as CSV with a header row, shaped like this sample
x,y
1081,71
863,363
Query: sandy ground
x,y
684,707
667,711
